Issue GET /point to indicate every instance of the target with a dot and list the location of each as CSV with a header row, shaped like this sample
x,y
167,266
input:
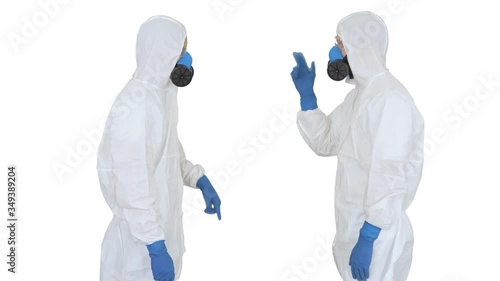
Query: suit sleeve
x,y
130,173
317,130
388,123
191,173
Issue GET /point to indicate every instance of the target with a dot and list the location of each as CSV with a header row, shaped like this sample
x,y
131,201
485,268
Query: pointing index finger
x,y
300,59
217,209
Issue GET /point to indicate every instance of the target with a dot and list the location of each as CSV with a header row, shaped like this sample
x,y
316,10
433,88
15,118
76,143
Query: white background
x,y
278,205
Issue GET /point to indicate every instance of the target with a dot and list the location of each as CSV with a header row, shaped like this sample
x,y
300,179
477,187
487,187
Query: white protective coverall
x,y
141,164
377,134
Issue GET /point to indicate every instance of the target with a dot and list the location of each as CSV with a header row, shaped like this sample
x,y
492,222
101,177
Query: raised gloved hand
x,y
211,197
161,262
361,256
303,78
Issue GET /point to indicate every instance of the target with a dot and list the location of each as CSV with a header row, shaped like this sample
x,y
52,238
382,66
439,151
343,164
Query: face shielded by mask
x,y
338,65
183,72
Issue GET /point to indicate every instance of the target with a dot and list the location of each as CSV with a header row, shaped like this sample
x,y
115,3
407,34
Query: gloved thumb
x,y
209,208
295,73
313,68
210,211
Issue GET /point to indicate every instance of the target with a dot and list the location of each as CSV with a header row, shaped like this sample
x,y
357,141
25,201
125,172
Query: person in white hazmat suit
x,y
142,167
377,134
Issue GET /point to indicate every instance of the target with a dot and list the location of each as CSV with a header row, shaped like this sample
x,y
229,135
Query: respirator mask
x,y
338,65
183,71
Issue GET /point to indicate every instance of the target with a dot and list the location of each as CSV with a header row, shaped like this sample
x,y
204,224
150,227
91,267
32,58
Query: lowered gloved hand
x,y
361,256
161,262
211,197
303,78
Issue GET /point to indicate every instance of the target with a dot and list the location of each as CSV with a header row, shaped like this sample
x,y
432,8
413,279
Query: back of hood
x,y
159,45
365,39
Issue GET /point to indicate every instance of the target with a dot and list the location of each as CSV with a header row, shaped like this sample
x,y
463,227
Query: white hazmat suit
x,y
377,134
141,164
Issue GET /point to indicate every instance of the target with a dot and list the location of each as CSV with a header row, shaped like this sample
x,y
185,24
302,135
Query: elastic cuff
x,y
157,247
369,231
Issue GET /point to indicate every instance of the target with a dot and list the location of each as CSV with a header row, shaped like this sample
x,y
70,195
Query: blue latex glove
x,y
212,200
186,60
303,78
161,262
335,53
361,256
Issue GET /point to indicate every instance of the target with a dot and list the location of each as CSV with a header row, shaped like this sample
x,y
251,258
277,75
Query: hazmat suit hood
x,y
365,39
159,45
